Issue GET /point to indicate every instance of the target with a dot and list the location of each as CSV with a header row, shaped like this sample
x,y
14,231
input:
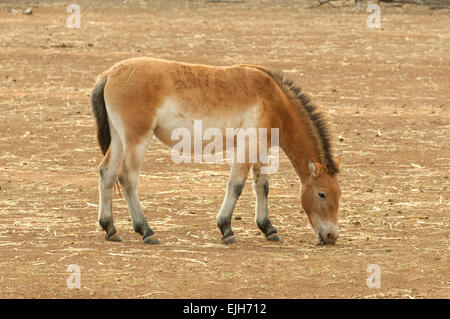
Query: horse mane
x,y
318,123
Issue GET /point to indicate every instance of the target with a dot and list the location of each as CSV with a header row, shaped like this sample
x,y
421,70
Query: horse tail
x,y
101,116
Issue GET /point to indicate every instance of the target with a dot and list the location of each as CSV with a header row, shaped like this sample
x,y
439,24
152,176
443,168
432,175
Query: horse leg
x,y
261,189
236,182
108,175
128,178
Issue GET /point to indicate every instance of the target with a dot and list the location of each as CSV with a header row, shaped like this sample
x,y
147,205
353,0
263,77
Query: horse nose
x,y
328,233
329,237
332,237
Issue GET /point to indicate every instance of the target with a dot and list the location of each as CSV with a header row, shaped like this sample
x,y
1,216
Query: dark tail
x,y
99,110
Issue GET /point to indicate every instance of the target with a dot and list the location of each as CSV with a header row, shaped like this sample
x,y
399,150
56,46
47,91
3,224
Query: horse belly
x,y
172,115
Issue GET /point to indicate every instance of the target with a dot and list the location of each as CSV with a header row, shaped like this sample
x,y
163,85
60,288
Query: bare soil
x,y
387,93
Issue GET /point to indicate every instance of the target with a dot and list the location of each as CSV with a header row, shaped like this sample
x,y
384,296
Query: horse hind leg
x,y
108,175
128,178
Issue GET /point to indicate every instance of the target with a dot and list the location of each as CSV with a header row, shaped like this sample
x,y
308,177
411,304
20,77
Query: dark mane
x,y
319,127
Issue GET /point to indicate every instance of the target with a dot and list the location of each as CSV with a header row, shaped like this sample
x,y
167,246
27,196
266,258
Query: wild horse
x,y
141,97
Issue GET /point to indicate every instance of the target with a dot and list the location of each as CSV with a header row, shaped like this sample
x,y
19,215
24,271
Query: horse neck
x,y
297,142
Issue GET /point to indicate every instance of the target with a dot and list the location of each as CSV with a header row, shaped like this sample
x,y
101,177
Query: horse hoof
x,y
151,240
113,237
228,240
273,237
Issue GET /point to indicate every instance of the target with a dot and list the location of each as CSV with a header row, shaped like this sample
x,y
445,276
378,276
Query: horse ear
x,y
337,161
315,168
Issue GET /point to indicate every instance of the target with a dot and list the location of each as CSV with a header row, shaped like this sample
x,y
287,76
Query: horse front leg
x,y
261,189
236,183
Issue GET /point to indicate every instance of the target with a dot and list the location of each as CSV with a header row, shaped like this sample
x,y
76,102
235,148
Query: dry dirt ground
x,y
387,93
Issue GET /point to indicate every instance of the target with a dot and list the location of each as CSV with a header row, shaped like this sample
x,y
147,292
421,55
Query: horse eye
x,y
322,195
